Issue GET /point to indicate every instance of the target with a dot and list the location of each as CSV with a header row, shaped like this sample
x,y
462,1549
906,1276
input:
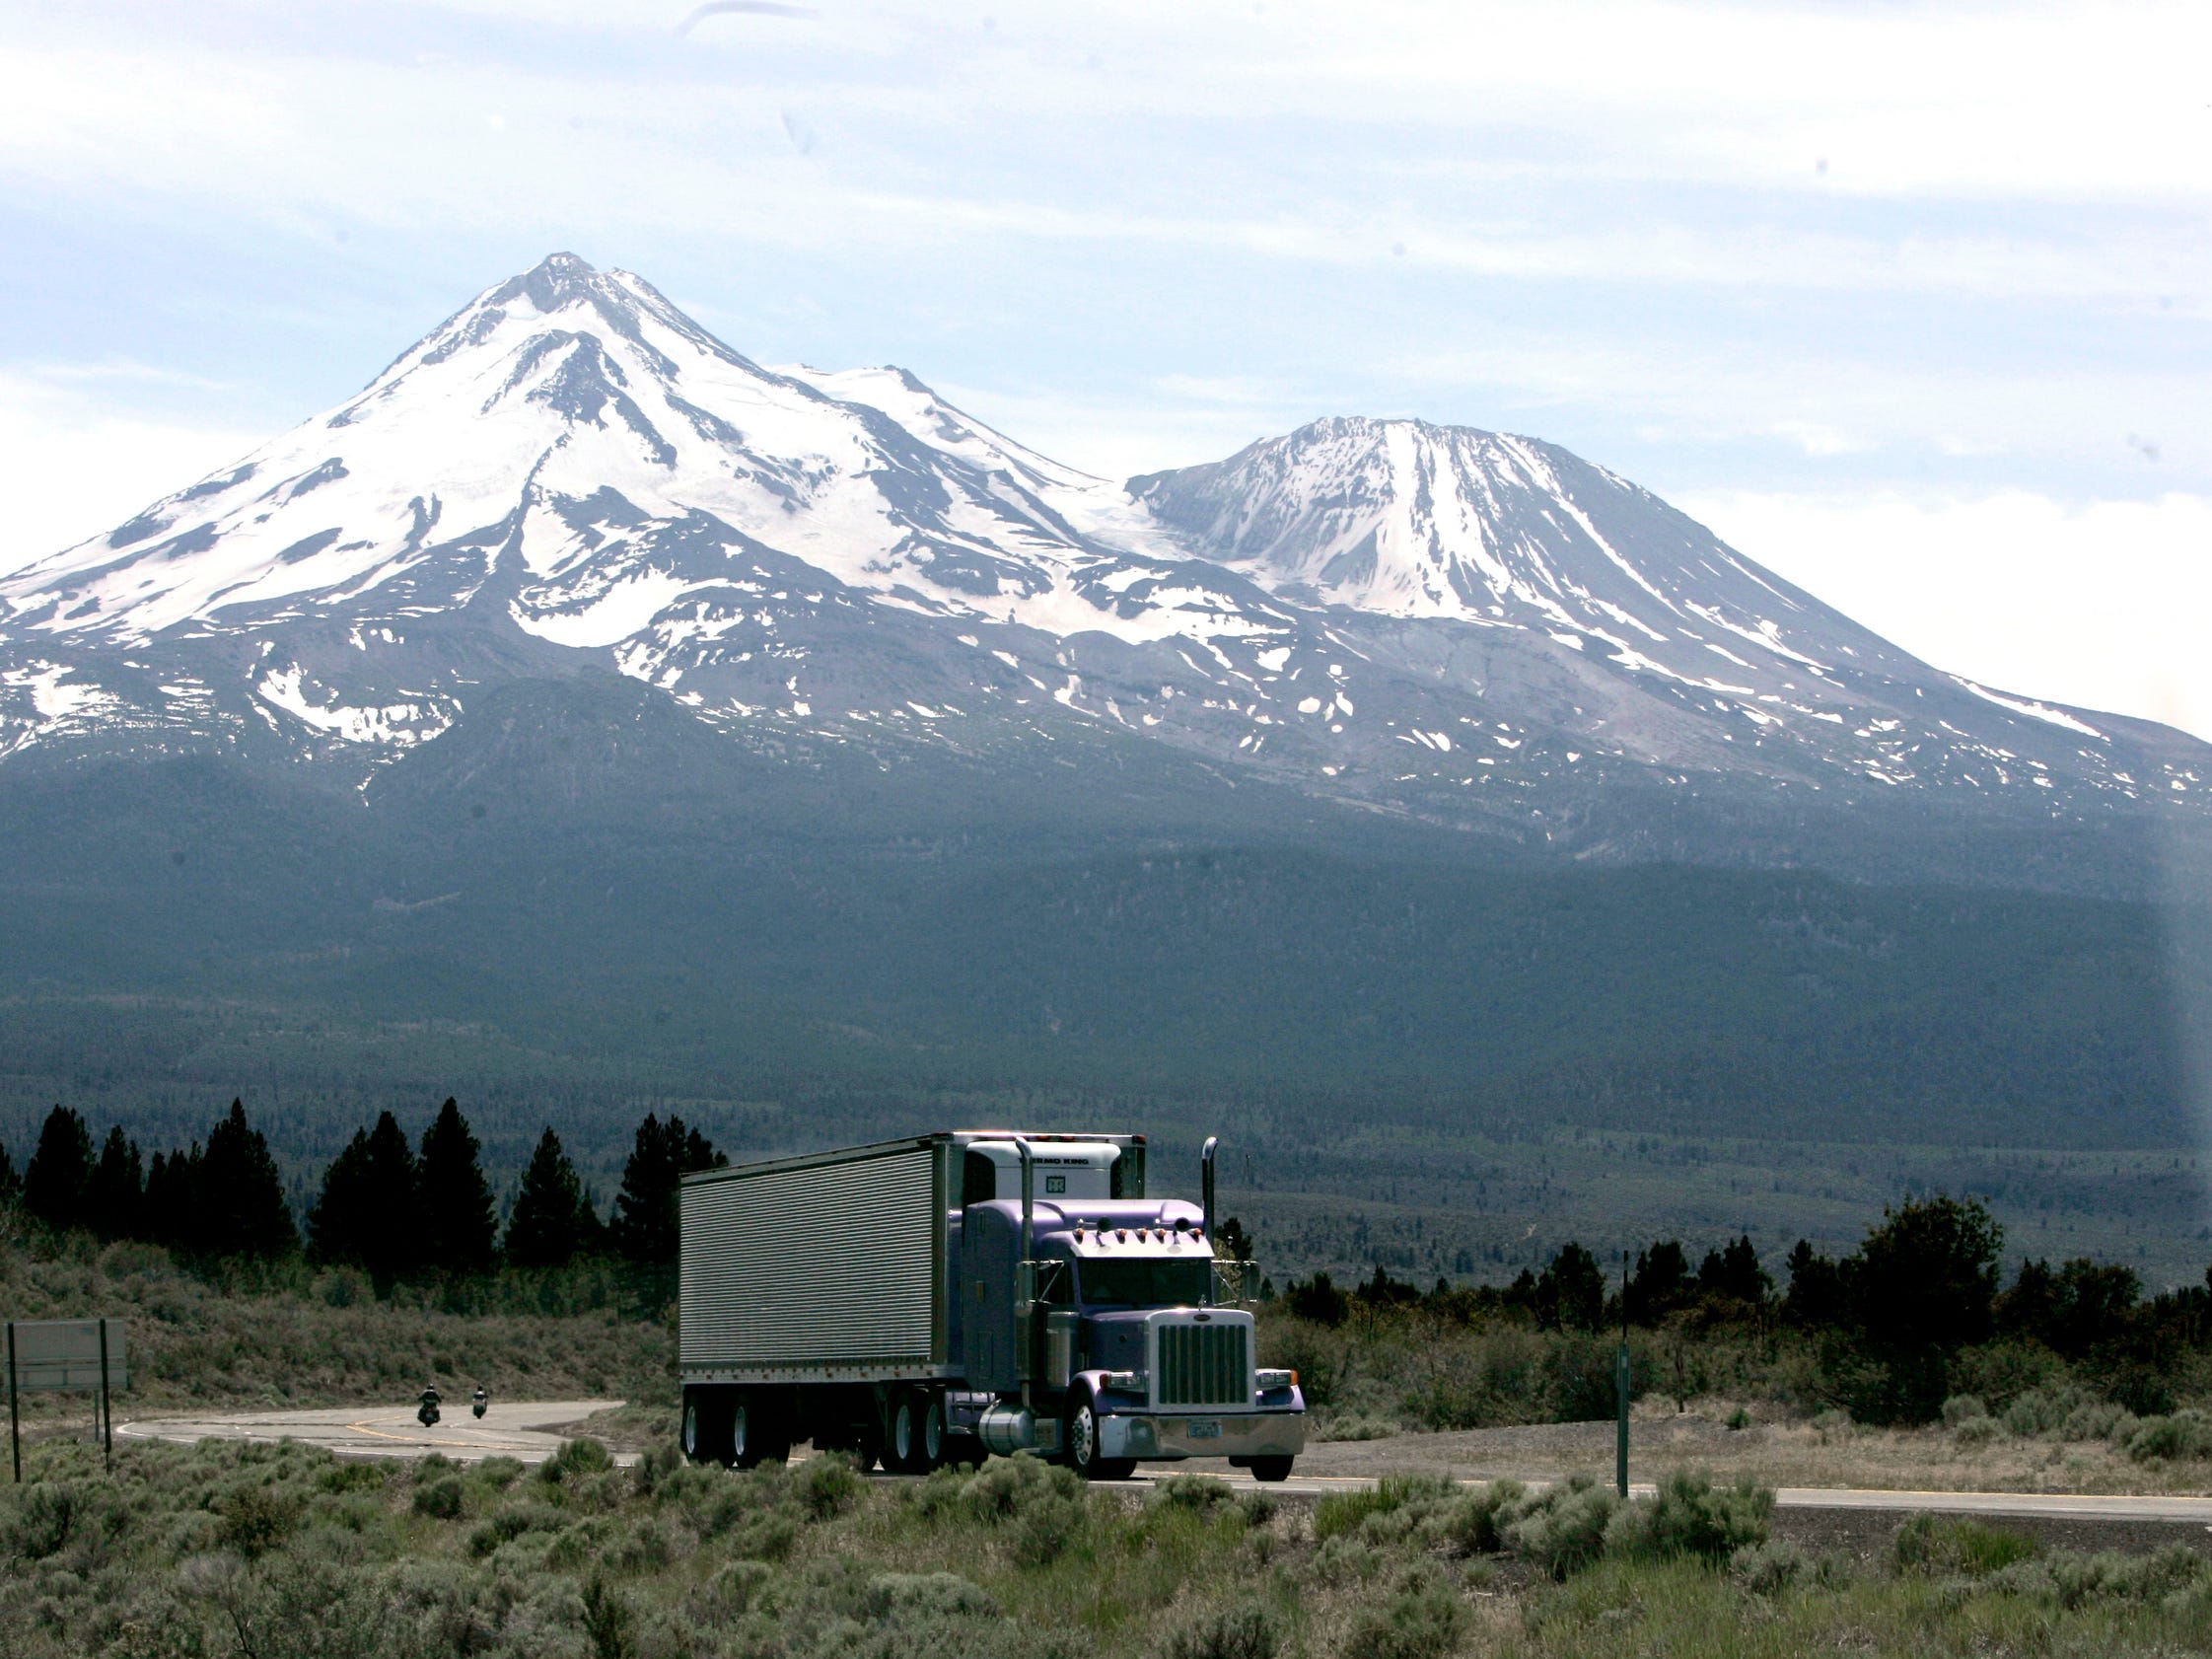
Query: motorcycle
x,y
427,1412
481,1404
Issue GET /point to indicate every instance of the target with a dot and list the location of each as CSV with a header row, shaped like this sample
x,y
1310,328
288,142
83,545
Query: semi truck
x,y
963,1293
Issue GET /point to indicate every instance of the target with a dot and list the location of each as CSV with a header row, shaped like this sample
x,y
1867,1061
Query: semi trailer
x,y
953,1295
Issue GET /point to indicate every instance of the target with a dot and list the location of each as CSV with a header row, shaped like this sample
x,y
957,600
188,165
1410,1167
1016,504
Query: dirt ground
x,y
1777,1454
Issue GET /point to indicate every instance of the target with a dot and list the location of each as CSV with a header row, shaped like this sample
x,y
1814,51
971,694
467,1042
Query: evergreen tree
x,y
11,1184
114,1198
1660,1284
371,1211
54,1185
1571,1293
553,1221
1815,1300
239,1207
173,1200
1735,1273
645,1226
460,1225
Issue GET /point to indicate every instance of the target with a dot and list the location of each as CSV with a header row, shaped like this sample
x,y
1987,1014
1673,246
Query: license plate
x,y
1205,1428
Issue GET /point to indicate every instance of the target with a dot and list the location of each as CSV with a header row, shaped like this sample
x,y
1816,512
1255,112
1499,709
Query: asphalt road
x,y
531,1431
523,1430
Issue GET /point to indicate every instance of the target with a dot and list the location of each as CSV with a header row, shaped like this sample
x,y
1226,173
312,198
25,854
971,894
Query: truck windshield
x,y
1135,1282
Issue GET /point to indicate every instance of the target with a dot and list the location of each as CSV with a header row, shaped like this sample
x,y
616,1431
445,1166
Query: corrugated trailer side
x,y
821,1269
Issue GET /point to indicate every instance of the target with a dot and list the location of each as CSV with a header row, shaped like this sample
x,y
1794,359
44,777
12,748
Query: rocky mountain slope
x,y
1462,627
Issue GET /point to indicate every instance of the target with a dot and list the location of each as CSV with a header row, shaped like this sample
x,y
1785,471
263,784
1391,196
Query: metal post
x,y
106,1423
1207,1196
1620,1387
15,1432
1025,1275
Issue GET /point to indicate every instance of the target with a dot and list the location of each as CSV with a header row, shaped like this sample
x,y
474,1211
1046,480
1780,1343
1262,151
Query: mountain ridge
x,y
1475,631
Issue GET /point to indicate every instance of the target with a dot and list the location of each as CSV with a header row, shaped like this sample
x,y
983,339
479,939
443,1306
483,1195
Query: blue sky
x,y
1908,301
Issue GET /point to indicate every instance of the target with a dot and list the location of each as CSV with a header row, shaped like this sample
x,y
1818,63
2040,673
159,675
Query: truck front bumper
x,y
1233,1434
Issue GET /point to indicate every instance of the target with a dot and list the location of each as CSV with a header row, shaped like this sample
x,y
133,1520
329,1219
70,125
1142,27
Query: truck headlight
x,y
1127,1382
1269,1381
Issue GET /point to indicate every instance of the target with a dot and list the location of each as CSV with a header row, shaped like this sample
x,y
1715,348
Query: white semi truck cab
x,y
963,1293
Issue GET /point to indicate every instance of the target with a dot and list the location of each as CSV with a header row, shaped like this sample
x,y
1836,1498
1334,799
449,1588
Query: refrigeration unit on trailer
x,y
958,1294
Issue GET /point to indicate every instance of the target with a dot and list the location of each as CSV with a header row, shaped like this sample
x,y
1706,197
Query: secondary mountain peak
x,y
570,473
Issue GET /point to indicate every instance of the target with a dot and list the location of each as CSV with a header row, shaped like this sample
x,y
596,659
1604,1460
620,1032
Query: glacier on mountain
x,y
569,472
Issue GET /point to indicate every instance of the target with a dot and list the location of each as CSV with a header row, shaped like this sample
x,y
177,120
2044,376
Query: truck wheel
x,y
1270,1468
1079,1436
757,1432
705,1432
917,1432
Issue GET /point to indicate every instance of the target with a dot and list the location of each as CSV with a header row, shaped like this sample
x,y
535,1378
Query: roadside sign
x,y
53,1354
66,1353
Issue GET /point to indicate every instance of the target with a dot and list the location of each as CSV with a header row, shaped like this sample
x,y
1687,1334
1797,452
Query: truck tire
x,y
1079,1440
1270,1468
916,1442
704,1436
755,1435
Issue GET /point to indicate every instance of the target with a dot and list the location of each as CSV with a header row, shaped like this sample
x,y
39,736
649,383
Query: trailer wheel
x,y
1078,1438
916,1443
705,1432
752,1433
1270,1468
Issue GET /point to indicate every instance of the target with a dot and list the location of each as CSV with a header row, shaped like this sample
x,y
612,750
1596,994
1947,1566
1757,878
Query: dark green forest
x,y
581,907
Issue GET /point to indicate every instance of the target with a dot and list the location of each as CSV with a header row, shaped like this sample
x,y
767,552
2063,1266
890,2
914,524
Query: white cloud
x,y
2104,606
75,462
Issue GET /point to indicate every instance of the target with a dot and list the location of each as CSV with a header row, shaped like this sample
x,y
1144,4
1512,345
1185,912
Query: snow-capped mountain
x,y
570,472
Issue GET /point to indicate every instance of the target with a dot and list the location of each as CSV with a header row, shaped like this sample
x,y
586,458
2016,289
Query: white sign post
x,y
66,1353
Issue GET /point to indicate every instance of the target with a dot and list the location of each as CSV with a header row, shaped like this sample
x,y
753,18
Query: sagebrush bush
x,y
1562,1529
1943,1544
1245,1630
2185,1434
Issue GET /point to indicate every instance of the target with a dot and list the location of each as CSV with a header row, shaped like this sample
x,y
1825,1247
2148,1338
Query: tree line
x,y
396,1209
1889,1326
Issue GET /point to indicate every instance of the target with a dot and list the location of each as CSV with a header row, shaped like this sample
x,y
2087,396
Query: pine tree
x,y
53,1186
11,1184
241,1208
371,1211
114,1198
645,1227
460,1225
553,1221
173,1200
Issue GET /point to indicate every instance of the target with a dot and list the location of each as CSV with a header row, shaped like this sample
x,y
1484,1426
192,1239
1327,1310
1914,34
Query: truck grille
x,y
1203,1365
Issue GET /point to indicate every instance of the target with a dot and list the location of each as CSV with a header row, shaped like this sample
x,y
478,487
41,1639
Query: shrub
x,y
1342,1512
1691,1516
1564,1529
2185,1434
45,1517
575,1459
1740,1419
1962,1409
511,1524
357,1475
737,1588
1043,1530
441,1500
1245,1629
827,1485
906,1596
255,1519
1420,1620
1474,1524
1767,1569
1942,1545
1201,1492
1977,1431
1006,1488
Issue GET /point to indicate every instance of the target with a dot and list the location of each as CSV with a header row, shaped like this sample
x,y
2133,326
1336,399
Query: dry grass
x,y
1784,1451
